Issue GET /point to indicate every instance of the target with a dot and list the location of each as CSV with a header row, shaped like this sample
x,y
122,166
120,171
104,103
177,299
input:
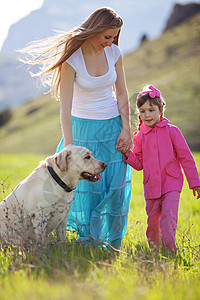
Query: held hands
x,y
196,190
124,142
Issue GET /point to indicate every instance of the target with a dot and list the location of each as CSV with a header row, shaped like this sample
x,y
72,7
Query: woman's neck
x,y
88,48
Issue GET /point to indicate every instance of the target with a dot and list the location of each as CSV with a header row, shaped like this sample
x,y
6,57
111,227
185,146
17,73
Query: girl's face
x,y
104,38
149,114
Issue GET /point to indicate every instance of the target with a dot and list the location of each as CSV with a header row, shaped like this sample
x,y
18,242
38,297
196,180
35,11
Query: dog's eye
x,y
88,157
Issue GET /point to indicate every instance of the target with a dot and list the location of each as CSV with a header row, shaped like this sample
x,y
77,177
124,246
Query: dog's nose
x,y
104,165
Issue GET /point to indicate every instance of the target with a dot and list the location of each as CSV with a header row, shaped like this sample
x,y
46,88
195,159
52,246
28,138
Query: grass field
x,y
72,271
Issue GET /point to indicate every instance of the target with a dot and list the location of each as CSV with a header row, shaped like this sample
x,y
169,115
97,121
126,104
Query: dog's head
x,y
79,161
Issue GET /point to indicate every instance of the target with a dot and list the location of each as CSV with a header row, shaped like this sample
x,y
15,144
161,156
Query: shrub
x,y
5,116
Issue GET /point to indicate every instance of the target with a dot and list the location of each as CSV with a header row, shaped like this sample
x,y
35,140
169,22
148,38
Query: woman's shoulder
x,y
74,59
114,51
115,47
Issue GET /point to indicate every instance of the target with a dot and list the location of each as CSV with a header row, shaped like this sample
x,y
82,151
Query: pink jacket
x,y
160,152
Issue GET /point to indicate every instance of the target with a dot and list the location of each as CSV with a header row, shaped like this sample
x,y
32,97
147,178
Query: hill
x,y
171,62
16,86
34,128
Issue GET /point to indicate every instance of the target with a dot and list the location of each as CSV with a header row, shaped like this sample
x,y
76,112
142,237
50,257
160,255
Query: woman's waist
x,y
96,111
95,129
94,98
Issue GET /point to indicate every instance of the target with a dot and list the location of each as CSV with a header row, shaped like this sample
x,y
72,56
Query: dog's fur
x,y
38,205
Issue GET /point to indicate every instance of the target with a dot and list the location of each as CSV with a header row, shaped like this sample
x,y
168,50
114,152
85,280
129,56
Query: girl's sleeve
x,y
135,157
185,157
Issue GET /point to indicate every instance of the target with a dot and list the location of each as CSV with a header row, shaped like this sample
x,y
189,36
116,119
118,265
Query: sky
x,y
13,10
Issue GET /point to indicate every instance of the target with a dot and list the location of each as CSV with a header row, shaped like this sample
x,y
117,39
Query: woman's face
x,y
104,38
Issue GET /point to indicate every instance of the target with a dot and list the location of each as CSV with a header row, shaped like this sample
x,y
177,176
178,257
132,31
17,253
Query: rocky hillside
x,y
181,13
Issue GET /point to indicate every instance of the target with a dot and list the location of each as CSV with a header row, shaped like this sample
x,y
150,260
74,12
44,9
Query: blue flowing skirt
x,y
100,210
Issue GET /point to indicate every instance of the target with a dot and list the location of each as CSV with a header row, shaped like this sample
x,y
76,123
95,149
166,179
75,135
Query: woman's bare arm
x,y
124,140
66,96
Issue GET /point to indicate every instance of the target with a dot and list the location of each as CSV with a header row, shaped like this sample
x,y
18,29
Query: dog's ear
x,y
61,160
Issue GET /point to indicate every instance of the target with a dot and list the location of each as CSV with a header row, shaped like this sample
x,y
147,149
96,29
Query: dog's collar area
x,y
59,180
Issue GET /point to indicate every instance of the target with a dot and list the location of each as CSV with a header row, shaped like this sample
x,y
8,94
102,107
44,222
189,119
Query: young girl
x,y
161,150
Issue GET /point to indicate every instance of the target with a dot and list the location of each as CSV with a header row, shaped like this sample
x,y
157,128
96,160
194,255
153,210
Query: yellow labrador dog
x,y
41,202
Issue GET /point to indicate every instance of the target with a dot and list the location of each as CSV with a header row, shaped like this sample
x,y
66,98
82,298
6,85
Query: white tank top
x,y
94,97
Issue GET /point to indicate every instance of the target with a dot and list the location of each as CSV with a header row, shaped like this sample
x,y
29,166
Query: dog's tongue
x,y
99,177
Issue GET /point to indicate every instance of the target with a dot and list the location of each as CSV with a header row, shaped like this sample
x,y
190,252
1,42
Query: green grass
x,y
72,271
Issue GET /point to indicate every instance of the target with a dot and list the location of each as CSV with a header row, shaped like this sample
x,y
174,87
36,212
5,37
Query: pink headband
x,y
154,92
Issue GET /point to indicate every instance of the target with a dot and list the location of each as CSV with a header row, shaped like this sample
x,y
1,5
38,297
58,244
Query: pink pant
x,y
162,220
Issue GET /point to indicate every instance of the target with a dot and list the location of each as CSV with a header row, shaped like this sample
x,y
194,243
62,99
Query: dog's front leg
x,y
40,228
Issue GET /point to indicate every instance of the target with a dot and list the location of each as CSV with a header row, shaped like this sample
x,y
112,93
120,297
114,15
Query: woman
x,y
87,63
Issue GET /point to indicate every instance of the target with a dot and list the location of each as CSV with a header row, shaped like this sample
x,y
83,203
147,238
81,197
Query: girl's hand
x,y
124,141
127,154
196,190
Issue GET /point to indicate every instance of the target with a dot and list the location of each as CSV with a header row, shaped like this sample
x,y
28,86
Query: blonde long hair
x,y
50,53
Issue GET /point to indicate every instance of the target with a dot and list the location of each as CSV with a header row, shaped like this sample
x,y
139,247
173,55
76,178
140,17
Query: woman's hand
x,y
124,141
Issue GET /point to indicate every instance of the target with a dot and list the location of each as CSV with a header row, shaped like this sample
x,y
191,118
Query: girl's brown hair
x,y
52,52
